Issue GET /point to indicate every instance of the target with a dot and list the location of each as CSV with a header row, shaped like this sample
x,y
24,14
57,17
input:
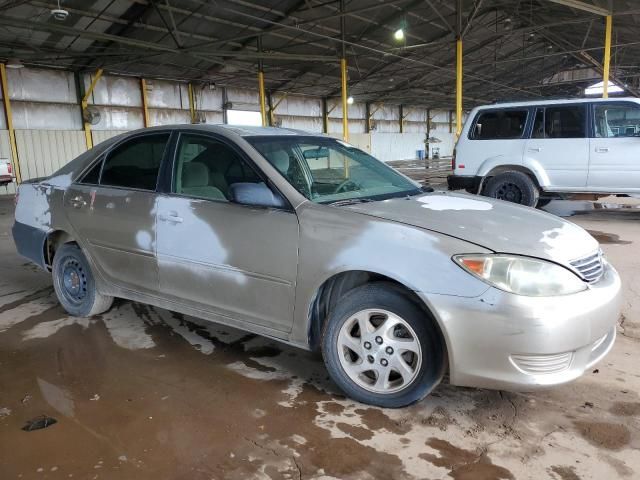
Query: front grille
x,y
590,268
542,364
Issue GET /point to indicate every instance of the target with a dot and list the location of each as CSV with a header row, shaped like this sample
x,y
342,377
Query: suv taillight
x,y
453,160
9,168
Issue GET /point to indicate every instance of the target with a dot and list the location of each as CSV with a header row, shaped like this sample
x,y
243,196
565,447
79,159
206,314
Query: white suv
x,y
520,151
6,172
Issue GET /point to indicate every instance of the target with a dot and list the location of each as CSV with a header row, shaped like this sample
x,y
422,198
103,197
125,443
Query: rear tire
x,y
75,285
397,361
515,187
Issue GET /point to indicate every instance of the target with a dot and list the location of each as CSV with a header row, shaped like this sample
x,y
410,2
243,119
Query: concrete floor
x,y
144,393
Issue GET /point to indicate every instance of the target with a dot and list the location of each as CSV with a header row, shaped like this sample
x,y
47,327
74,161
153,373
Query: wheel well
x,y
508,168
53,241
337,286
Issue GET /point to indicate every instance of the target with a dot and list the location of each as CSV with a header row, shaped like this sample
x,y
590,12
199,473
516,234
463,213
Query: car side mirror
x,y
256,194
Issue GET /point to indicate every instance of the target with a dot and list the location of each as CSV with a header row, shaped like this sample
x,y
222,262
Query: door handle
x,y
602,149
77,202
171,217
535,149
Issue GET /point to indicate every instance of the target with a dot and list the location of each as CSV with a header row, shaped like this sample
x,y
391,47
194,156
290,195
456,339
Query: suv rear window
x,y
499,124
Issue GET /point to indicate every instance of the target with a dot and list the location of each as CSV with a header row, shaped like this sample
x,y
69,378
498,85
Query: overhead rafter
x,y
581,5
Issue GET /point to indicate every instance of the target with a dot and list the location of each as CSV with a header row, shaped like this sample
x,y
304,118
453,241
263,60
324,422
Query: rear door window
x,y
499,124
560,122
136,163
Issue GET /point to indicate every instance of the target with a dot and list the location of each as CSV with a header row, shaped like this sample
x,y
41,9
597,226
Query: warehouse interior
x,y
140,392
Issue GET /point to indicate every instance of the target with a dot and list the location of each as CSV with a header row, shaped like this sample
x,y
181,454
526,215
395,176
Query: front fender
x,y
334,240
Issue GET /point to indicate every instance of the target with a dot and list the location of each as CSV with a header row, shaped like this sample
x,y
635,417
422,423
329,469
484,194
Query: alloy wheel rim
x,y
379,351
73,281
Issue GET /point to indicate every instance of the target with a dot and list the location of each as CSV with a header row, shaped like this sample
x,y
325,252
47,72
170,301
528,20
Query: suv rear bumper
x,y
4,179
460,182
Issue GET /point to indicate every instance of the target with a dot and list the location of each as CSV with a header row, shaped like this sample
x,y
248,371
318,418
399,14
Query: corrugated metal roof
x,y
510,47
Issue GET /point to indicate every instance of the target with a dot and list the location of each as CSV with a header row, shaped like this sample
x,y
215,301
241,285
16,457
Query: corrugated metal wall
x,y
42,152
99,136
47,116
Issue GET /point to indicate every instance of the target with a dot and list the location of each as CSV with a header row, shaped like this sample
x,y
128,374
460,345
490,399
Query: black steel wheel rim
x,y
73,281
509,192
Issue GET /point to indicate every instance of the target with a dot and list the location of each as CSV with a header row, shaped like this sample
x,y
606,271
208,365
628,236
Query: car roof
x,y
556,102
241,130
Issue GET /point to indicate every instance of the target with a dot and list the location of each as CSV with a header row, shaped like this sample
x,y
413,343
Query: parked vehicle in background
x,y
521,152
308,240
6,172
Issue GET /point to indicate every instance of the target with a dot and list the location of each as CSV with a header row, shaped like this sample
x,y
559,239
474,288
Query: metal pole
x,y
345,105
459,71
192,103
8,114
225,99
343,75
261,92
607,57
325,116
458,87
401,113
85,101
145,109
263,107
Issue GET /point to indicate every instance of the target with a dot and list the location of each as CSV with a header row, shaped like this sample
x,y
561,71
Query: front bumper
x,y
506,341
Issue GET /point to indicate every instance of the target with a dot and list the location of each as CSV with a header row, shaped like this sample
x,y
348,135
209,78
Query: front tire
x,y
381,348
515,187
75,285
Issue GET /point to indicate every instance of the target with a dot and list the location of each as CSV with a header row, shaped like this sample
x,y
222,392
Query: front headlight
x,y
522,275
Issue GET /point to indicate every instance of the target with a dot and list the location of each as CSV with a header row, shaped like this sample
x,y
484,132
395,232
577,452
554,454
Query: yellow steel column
x,y
345,105
192,103
458,87
8,115
607,57
145,109
261,93
85,102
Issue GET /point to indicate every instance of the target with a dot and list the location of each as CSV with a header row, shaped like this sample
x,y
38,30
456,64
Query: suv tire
x,y
399,359
75,285
516,187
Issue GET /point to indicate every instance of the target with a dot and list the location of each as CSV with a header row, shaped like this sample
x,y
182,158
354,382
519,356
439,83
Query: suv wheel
x,y
380,347
516,187
74,283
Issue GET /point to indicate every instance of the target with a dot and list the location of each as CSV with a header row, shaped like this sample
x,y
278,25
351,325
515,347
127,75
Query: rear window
x,y
499,124
135,163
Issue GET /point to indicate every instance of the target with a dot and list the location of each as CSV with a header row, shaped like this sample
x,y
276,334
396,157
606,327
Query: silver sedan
x,y
310,241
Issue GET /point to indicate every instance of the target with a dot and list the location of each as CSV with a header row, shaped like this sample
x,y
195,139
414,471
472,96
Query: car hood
x,y
493,224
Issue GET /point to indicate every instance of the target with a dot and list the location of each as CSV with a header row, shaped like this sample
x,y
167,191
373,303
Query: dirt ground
x,y
143,393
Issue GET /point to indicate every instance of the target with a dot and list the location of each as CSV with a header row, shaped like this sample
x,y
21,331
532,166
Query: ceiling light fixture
x,y
59,14
399,34
350,100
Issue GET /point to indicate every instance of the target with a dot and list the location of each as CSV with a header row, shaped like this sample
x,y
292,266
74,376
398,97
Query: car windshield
x,y
326,170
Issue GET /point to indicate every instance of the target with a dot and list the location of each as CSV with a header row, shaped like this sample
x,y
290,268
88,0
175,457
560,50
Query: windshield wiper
x,y
350,201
